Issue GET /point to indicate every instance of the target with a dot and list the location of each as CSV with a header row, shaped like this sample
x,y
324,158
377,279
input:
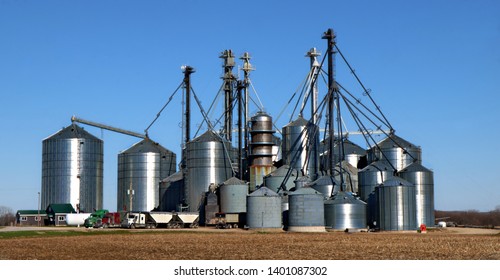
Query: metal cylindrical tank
x,y
261,148
297,143
274,179
396,151
301,182
172,192
264,209
352,153
396,199
72,169
368,179
372,176
140,168
306,212
207,162
326,185
233,196
345,211
423,179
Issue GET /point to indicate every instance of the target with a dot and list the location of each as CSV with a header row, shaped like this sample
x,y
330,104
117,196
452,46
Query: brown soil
x,y
207,244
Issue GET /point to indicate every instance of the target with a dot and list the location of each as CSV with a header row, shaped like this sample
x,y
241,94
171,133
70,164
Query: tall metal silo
x,y
423,179
397,205
233,196
298,144
140,169
306,211
172,192
345,211
368,179
352,153
207,162
261,148
396,151
274,179
72,169
264,209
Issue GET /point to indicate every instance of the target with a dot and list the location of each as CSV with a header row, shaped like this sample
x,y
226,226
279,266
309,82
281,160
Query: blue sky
x,y
432,66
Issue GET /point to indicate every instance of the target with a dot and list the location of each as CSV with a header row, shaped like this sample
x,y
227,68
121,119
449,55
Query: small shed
x,y
30,217
56,214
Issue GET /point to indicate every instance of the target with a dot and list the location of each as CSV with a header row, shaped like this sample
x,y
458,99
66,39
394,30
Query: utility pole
x,y
38,208
130,193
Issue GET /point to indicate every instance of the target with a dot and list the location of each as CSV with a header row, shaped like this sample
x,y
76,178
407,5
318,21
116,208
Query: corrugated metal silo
x,y
141,167
172,192
369,178
264,209
274,179
345,211
233,196
349,175
261,148
72,169
396,199
397,151
352,153
306,212
423,179
326,185
296,143
207,162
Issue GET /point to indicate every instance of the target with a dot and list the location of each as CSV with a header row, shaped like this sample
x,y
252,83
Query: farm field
x,y
237,244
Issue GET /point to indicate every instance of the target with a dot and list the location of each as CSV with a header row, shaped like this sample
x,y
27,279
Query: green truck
x,y
95,218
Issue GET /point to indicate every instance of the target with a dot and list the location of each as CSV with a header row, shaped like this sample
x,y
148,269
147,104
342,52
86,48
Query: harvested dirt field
x,y
236,244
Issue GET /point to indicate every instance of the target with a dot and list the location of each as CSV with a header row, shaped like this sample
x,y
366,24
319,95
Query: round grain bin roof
x,y
72,131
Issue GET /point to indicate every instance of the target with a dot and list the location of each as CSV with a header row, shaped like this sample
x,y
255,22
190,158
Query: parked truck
x,y
95,217
110,220
151,220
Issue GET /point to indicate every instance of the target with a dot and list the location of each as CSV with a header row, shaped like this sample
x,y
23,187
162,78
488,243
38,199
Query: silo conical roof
x,y
263,191
146,146
396,182
233,181
177,176
300,121
344,198
415,167
72,131
208,136
395,141
377,166
305,191
282,171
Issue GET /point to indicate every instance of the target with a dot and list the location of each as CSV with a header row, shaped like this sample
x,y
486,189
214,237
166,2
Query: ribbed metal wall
x,y
233,196
72,169
306,211
396,151
141,167
396,198
296,138
423,179
345,211
326,185
172,192
264,209
207,162
261,148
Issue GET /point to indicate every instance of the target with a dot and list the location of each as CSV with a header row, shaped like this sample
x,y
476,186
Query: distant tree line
x,y
470,217
7,216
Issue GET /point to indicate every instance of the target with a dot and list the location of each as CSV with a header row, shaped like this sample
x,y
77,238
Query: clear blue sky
x,y
433,67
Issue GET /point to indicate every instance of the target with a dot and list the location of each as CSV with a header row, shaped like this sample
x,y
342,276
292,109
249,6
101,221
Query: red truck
x,y
110,219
